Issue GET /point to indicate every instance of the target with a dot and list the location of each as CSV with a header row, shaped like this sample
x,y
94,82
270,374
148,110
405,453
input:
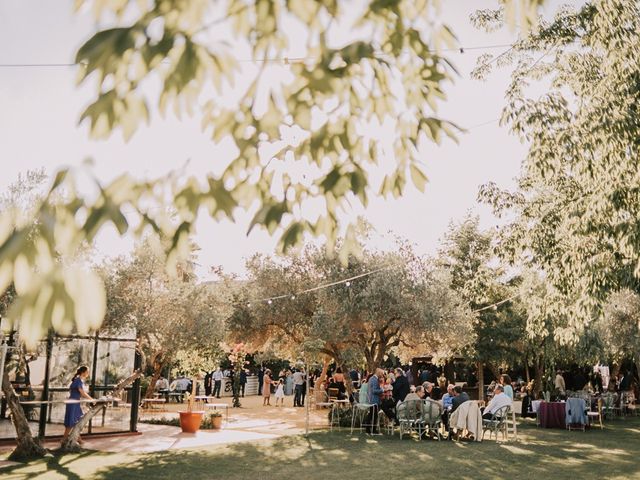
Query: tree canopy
x,y
397,302
389,72
575,212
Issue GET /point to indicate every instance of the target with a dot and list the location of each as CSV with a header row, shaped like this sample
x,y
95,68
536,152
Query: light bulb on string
x,y
348,284
269,302
293,297
248,305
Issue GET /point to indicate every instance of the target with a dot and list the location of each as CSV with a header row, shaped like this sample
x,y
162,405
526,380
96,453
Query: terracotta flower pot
x,y
190,421
216,422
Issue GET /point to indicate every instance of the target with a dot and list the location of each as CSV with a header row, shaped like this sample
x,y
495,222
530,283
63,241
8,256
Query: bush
x,y
344,417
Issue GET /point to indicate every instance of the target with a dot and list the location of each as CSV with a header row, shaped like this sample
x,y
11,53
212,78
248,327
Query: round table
x,y
551,414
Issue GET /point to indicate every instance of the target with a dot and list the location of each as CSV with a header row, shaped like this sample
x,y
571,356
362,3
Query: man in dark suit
x,y
207,383
260,379
401,386
243,380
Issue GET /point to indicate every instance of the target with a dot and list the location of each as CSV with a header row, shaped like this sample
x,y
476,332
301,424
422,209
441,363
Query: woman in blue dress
x,y
73,412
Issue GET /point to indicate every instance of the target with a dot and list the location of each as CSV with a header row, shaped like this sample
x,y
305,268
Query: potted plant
x,y
193,363
215,418
191,419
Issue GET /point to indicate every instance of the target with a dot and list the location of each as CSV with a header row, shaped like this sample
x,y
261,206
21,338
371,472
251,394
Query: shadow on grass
x,y
542,454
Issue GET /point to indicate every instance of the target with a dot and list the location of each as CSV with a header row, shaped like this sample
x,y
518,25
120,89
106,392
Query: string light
x,y
347,282
283,60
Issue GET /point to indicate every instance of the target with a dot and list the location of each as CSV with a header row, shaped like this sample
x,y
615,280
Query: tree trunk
x,y
70,444
317,391
539,367
480,381
157,370
27,446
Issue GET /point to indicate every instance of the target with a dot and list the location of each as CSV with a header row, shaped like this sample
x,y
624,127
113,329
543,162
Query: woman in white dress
x,y
280,393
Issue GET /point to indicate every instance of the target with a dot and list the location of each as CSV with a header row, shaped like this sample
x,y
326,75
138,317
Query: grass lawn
x,y
540,454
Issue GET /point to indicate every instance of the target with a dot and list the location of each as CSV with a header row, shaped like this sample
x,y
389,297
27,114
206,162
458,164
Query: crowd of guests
x,y
389,392
291,381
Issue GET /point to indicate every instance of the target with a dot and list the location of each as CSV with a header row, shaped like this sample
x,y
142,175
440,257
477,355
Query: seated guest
x,y
447,398
162,384
505,381
417,395
430,415
459,397
428,389
499,400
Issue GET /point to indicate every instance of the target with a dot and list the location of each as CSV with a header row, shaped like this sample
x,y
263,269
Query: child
x,y
280,393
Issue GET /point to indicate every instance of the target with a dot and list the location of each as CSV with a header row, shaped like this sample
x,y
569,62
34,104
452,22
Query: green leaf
x,y
418,177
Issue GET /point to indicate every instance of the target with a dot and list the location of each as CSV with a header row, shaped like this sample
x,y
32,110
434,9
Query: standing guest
x,y
559,383
288,383
217,382
303,395
409,374
625,382
207,383
363,393
354,375
400,386
338,380
266,388
597,384
526,403
243,381
579,380
260,379
374,390
73,411
298,385
280,392
505,381
423,377
499,400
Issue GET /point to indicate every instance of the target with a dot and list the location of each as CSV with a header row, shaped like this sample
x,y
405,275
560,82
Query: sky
x,y
40,108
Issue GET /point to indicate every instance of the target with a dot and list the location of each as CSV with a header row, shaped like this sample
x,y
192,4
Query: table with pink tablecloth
x,y
552,414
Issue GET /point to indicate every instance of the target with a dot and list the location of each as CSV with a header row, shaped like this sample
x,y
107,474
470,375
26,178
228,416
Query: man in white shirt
x,y
298,385
499,400
217,382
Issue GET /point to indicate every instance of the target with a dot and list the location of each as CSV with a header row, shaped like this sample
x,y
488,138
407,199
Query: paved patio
x,y
249,423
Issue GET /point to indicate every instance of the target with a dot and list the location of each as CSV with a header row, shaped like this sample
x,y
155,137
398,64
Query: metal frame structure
x,y
47,391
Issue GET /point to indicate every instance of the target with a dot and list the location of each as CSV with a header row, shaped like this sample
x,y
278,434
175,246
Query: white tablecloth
x,y
535,405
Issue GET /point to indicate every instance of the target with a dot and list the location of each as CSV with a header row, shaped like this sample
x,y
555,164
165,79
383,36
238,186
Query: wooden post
x,y
45,388
135,393
307,399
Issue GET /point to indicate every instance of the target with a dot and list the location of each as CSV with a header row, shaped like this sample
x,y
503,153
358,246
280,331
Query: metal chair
x,y
333,394
409,415
631,406
325,403
431,418
359,412
597,415
576,417
497,423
